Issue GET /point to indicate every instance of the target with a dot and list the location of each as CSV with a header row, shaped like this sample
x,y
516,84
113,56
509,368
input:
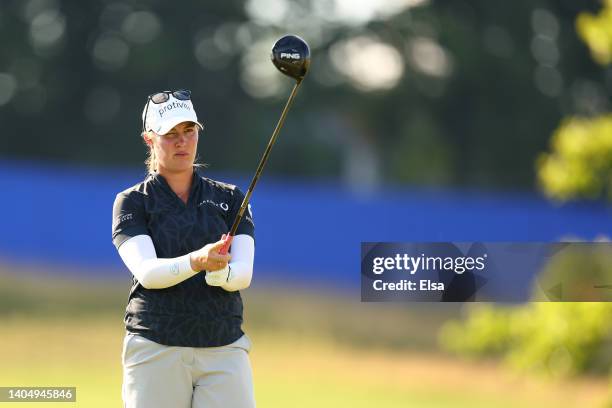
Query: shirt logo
x,y
222,206
126,217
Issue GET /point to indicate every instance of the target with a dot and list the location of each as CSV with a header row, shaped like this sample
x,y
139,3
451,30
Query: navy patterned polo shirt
x,y
191,313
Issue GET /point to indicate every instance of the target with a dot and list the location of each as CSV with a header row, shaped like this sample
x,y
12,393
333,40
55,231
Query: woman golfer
x,y
184,345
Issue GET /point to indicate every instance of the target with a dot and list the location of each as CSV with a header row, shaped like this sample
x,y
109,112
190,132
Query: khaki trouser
x,y
158,376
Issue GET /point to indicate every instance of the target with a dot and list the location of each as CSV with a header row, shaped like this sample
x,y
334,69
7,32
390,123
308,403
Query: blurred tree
x,y
558,338
580,163
427,91
596,31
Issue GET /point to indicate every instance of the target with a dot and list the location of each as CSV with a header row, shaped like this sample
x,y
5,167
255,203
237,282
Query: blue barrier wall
x,y
305,230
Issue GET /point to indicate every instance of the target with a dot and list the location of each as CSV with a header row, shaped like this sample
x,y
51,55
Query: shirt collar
x,y
195,183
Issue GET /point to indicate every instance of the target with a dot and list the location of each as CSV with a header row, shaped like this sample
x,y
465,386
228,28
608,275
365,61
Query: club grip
x,y
228,242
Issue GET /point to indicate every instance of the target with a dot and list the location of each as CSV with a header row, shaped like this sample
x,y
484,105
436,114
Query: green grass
x,y
289,371
309,351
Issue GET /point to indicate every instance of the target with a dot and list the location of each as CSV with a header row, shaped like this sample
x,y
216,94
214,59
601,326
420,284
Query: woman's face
x,y
176,150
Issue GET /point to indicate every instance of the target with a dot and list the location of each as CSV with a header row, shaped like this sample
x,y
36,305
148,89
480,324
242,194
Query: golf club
x,y
291,56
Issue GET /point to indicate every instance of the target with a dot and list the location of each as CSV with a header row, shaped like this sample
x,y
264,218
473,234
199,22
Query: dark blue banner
x,y
486,272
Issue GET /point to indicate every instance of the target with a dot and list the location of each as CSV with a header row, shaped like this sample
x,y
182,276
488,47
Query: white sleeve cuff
x,y
241,265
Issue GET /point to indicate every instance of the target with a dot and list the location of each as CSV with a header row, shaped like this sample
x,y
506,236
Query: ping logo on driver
x,y
295,55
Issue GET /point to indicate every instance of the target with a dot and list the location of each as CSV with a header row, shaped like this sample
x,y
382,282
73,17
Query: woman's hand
x,y
208,258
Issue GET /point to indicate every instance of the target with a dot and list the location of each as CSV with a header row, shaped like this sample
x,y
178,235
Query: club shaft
x,y
263,160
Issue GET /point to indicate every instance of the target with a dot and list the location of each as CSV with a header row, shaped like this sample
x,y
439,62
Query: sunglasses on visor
x,y
163,96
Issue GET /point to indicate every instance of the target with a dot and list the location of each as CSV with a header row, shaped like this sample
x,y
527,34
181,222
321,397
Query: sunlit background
x,y
420,120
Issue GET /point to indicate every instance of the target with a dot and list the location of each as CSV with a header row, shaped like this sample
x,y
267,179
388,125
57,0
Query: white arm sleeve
x,y
243,255
138,254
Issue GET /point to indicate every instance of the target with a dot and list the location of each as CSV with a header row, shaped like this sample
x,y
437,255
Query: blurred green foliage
x,y
596,31
580,161
479,85
559,339
582,271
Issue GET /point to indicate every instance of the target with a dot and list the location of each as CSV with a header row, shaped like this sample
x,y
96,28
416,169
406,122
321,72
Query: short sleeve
x,y
128,218
247,224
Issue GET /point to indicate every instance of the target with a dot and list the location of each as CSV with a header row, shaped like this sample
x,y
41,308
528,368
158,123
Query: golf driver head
x,y
291,55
